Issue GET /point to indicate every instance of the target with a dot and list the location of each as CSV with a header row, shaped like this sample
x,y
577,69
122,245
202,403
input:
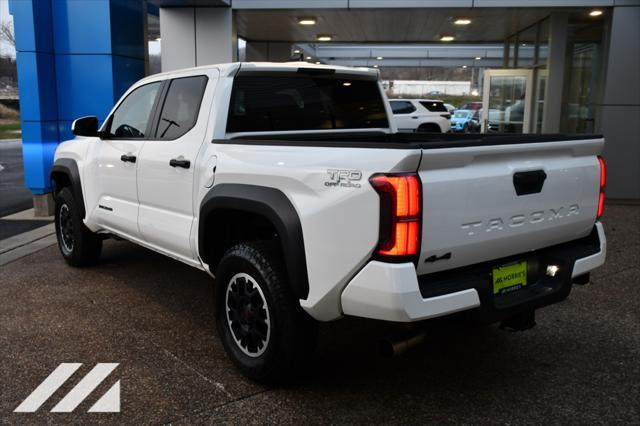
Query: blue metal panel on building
x,y
37,79
126,71
153,9
75,58
127,24
82,26
39,142
64,130
87,84
32,25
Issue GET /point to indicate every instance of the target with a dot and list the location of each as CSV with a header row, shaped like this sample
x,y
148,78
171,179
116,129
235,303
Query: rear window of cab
x,y
293,101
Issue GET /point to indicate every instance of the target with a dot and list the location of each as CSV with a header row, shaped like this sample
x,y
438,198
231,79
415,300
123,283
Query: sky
x,y
5,48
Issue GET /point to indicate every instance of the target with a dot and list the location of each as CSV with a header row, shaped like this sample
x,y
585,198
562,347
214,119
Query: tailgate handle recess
x,y
529,182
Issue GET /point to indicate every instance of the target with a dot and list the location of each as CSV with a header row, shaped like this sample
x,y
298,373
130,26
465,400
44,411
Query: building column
x,y
74,58
35,59
621,105
556,59
194,36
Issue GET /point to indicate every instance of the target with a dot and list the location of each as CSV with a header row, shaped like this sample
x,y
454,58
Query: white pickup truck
x,y
289,184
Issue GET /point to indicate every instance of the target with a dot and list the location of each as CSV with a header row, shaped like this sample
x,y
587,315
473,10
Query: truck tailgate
x,y
472,211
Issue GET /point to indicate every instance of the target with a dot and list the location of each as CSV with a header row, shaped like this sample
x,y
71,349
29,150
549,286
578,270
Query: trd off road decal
x,y
344,178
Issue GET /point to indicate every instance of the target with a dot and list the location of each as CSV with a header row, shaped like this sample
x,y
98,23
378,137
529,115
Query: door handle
x,y
128,158
415,118
179,162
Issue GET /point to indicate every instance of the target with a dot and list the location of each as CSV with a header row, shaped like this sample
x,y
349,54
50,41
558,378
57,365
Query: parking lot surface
x,y
154,317
14,195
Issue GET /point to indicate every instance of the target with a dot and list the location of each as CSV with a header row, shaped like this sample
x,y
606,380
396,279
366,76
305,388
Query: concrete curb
x,y
27,249
28,214
24,244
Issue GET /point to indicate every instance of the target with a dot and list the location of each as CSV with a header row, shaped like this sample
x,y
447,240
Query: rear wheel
x,y
263,329
78,245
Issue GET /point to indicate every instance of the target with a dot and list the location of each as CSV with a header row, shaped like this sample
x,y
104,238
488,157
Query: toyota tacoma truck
x,y
289,184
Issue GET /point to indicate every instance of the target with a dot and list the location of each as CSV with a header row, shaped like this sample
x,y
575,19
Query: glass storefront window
x,y
543,43
511,52
506,104
527,47
578,109
540,93
582,79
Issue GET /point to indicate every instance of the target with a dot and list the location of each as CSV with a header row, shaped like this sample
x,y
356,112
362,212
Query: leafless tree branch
x,y
6,33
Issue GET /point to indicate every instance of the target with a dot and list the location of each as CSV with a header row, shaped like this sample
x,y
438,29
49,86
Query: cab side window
x,y
181,107
131,118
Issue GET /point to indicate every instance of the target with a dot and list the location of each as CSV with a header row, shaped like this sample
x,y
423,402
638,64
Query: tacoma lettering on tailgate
x,y
516,221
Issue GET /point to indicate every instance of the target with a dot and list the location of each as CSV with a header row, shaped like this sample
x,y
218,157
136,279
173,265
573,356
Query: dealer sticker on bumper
x,y
510,277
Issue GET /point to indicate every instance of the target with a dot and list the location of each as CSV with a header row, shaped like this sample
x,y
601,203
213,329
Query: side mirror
x,y
85,126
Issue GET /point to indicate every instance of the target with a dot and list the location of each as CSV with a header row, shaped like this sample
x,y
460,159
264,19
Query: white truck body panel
x,y
167,195
390,293
112,182
336,232
471,209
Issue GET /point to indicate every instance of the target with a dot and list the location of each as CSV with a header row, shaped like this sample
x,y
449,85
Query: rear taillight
x,y
603,182
400,213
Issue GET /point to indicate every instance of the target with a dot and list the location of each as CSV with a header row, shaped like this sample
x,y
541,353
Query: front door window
x,y
131,119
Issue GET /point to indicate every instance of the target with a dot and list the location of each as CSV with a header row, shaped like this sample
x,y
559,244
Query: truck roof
x,y
232,67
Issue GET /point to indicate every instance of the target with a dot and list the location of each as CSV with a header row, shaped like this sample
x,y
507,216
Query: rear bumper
x,y
390,292
589,263
393,292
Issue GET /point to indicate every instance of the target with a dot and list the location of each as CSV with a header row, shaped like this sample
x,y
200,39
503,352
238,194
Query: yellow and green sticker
x,y
509,277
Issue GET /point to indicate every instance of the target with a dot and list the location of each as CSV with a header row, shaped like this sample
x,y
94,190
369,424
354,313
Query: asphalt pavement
x,y
14,196
153,316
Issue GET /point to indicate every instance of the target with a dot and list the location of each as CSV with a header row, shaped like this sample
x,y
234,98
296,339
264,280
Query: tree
x,y
6,33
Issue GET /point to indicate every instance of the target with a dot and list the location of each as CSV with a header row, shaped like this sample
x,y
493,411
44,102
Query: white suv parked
x,y
421,115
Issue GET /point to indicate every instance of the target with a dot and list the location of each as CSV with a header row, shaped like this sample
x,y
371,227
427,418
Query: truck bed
x,y
473,210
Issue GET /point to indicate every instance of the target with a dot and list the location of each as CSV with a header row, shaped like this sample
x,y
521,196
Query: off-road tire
x,y
292,332
78,245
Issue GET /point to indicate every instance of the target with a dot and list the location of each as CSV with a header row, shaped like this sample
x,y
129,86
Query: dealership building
x,y
574,63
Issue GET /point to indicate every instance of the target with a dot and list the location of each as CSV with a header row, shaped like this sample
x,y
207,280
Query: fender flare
x,y
69,168
276,207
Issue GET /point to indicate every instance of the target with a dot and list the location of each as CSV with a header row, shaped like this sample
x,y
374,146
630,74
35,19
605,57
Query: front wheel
x,y
263,329
78,245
